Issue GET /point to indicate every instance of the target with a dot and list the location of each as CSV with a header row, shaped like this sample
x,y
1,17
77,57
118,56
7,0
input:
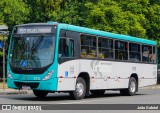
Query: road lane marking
x,y
84,101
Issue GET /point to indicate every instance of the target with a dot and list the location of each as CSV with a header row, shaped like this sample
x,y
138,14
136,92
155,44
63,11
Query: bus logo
x,y
101,67
26,77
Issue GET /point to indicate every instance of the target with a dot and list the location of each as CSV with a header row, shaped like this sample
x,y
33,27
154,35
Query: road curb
x,y
151,87
12,92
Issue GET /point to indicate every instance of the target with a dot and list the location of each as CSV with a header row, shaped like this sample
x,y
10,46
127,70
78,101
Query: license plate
x,y
26,87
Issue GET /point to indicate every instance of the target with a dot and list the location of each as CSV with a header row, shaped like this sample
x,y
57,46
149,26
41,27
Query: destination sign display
x,y
35,29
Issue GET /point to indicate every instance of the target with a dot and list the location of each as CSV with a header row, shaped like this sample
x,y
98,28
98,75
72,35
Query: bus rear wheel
x,y
97,92
40,94
132,88
80,89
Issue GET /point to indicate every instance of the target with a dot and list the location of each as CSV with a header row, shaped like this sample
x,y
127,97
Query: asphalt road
x,y
145,96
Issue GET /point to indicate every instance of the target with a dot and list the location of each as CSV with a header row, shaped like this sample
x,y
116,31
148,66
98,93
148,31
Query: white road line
x,y
85,101
80,102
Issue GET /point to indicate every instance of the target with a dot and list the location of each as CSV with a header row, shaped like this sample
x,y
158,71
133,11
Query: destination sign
x,y
35,29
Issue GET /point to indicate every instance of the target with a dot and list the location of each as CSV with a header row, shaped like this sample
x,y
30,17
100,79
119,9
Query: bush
x,y
1,54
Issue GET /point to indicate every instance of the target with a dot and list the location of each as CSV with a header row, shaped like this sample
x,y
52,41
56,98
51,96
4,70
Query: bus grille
x,y
32,85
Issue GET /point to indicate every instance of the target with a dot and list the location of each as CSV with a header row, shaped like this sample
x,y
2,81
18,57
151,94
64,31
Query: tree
x,y
108,15
44,10
138,18
66,11
153,21
13,12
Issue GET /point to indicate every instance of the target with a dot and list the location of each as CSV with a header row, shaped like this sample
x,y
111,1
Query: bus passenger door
x,y
68,65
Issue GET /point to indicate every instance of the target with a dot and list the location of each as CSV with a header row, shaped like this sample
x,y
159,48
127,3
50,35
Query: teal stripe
x,y
103,33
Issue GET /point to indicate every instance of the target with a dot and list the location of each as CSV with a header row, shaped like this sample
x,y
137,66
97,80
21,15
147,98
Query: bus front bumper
x,y
48,85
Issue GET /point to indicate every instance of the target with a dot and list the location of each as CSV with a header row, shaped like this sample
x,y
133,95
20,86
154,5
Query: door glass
x,y
66,47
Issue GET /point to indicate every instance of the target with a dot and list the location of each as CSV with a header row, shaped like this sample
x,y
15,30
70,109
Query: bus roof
x,y
96,32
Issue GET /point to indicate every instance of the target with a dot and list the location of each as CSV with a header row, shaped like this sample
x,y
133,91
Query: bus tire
x,y
97,92
132,88
40,94
80,89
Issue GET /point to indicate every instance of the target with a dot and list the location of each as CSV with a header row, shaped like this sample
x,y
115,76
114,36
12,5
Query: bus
x,y
56,57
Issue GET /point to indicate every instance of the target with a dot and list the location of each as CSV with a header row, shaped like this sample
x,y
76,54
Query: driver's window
x,y
66,47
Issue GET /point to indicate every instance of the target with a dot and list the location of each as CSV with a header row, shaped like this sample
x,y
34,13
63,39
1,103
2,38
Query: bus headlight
x,y
48,76
9,75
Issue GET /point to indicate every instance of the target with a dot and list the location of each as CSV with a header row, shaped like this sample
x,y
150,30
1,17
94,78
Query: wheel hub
x,y
132,87
79,88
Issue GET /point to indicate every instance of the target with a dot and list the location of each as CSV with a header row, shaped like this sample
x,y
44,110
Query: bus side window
x,y
88,46
62,47
134,52
66,47
146,53
153,57
71,48
105,48
121,50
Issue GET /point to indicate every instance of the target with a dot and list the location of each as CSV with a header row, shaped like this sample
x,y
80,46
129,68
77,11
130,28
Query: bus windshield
x,y
32,51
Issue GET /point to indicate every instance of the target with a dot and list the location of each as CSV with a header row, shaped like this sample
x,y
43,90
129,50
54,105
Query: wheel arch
x,y
86,78
135,75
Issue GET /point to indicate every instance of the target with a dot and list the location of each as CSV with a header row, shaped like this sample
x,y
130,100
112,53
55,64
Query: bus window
x,y
153,57
105,48
88,46
121,50
71,48
146,53
62,47
134,52
66,47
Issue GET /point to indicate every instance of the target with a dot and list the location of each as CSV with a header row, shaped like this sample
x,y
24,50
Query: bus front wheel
x,y
132,88
80,89
40,94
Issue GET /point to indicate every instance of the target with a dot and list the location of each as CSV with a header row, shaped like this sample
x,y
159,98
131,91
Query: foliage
x,y
13,12
136,18
1,53
140,18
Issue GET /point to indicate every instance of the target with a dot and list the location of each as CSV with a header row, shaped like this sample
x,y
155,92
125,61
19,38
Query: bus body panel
x,y
106,74
26,79
67,74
